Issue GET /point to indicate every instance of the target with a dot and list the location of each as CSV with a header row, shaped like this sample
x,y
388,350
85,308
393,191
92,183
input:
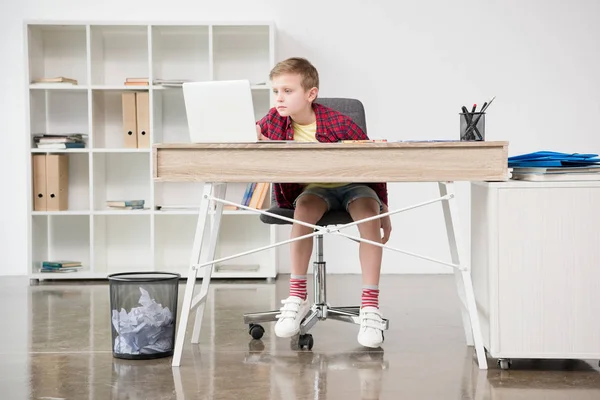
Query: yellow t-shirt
x,y
308,133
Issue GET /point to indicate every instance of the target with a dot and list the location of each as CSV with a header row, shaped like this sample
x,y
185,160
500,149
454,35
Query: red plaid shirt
x,y
332,126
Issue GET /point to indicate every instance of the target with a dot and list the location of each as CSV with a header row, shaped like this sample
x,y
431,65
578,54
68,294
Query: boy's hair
x,y
298,65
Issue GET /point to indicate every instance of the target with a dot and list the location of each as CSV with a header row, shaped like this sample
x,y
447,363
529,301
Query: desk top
x,y
290,144
331,162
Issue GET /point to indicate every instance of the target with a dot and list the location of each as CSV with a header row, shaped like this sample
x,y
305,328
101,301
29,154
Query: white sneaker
x,y
371,327
291,314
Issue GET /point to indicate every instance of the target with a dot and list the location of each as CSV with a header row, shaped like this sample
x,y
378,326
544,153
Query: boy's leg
x,y
362,202
370,256
309,207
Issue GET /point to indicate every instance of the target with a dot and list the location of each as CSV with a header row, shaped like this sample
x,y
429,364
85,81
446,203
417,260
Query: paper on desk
x,y
143,330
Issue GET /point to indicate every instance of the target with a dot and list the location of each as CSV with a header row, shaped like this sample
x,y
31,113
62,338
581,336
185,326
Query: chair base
x,y
318,312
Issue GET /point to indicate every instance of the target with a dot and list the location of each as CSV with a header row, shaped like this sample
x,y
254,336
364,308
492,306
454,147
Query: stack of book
x,y
60,266
554,166
59,80
170,82
59,141
136,82
254,196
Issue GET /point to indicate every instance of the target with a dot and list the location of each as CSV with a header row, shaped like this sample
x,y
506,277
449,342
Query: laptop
x,y
220,111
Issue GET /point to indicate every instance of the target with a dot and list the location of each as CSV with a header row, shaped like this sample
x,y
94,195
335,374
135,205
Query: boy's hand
x,y
259,134
386,225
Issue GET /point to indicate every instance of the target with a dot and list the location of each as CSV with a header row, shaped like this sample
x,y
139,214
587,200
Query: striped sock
x,y
370,296
298,286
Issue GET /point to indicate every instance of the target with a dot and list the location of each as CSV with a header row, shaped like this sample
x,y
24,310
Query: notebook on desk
x,y
220,111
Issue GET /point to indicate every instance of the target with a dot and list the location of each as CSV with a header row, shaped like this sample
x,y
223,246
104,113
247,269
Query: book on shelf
x,y
125,204
59,141
170,82
255,194
55,80
60,266
136,82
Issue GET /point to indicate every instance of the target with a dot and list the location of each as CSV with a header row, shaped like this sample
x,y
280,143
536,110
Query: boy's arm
x,y
262,128
354,132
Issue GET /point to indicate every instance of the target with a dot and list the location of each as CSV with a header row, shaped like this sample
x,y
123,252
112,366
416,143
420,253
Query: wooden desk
x,y
217,164
332,162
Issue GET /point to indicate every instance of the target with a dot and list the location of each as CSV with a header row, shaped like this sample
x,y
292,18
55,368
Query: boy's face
x,y
290,96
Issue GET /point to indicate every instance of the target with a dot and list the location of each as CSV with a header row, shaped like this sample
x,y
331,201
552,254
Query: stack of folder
x,y
50,182
136,119
555,166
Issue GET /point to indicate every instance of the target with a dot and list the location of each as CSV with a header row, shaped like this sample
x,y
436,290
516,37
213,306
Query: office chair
x,y
320,310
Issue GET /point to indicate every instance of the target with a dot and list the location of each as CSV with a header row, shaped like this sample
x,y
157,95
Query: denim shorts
x,y
339,198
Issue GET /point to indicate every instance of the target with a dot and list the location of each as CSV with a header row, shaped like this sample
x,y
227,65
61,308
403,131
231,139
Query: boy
x,y
296,116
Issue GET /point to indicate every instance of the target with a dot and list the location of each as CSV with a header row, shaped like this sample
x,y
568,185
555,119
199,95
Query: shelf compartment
x,y
174,238
243,233
180,52
60,237
121,176
117,53
107,120
79,182
50,175
241,52
170,118
180,195
122,243
58,112
57,50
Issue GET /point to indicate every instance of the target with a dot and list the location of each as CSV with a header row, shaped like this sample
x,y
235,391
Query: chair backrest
x,y
350,107
353,108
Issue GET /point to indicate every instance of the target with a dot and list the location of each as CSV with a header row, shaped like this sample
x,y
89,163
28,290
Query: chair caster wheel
x,y
504,363
256,331
305,340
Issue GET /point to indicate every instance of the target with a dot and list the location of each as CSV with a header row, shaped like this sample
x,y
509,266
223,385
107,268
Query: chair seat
x,y
330,218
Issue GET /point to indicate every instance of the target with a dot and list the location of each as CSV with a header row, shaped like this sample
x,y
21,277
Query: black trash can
x,y
143,314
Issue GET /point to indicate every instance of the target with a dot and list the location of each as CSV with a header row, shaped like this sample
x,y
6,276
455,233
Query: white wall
x,y
413,64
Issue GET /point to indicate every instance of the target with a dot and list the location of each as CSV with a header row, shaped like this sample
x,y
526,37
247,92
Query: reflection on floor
x,y
56,344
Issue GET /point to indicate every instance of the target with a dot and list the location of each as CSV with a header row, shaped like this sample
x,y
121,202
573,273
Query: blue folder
x,y
552,159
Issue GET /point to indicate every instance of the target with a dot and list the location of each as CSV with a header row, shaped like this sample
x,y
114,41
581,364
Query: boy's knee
x,y
364,206
310,209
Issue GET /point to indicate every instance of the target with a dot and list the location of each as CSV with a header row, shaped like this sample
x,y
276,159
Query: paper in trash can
x,y
146,329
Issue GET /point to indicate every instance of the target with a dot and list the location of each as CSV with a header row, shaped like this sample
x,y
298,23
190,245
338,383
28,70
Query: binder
x,y
129,120
57,182
39,182
143,119
50,182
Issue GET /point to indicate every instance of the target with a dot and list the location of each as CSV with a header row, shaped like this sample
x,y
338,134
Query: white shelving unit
x,y
101,55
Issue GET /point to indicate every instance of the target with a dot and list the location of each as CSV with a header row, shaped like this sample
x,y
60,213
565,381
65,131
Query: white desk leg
x,y
208,255
192,273
463,277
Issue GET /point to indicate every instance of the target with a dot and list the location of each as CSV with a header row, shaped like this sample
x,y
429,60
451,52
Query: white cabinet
x,y
535,262
101,56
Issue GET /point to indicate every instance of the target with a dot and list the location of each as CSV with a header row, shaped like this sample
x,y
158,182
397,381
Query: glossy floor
x,y
56,344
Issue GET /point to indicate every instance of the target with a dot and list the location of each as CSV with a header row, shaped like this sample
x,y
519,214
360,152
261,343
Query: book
x,y
125,203
57,79
61,263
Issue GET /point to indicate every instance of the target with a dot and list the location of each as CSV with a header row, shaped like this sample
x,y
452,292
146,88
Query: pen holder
x,y
472,126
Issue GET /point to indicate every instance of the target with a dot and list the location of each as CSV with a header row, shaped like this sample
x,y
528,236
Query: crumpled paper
x,y
144,330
